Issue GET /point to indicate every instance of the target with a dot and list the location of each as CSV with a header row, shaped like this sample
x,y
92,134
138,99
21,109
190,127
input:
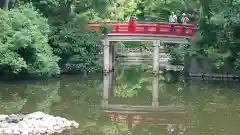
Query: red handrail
x,y
133,27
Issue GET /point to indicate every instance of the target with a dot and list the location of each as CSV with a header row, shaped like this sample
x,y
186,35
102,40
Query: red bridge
x,y
156,32
147,28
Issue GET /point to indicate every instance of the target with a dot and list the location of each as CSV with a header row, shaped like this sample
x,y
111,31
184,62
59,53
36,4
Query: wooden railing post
x,y
131,25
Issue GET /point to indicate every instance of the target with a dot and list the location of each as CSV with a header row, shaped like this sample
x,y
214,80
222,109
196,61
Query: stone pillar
x,y
155,56
115,53
111,56
106,84
106,55
187,62
112,84
155,89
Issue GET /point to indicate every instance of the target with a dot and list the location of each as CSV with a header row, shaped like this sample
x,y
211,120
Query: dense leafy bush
x,y
24,44
78,48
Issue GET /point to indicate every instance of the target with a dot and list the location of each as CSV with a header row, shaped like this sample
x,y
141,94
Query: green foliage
x,y
32,44
24,43
123,9
79,51
44,95
61,9
218,30
217,35
77,47
105,29
12,105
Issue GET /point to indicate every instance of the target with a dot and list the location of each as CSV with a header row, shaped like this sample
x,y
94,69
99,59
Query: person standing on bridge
x,y
184,18
173,18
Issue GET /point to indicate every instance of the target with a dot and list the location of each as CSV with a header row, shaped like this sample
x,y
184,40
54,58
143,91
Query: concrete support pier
x,y
111,56
106,55
112,81
155,84
106,87
155,56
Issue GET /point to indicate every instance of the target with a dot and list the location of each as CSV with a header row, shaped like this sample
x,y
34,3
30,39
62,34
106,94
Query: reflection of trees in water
x,y
106,128
212,107
85,92
28,97
13,105
41,96
11,101
126,90
129,82
46,96
115,129
153,129
206,105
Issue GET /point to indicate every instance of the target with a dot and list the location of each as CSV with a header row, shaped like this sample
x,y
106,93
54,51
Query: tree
x,y
77,47
24,43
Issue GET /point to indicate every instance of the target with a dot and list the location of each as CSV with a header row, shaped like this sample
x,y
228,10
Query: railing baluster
x,y
157,28
116,28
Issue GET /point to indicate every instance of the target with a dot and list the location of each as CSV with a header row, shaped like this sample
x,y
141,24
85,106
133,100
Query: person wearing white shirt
x,y
184,18
173,18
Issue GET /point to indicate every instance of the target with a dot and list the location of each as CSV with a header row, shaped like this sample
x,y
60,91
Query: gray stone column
x,y
155,90
106,55
111,56
112,80
113,86
106,84
187,64
155,56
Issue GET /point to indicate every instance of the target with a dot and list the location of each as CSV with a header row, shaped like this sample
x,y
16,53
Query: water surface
x,y
130,101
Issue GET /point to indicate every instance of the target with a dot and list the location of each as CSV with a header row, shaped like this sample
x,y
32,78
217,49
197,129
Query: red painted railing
x,y
133,27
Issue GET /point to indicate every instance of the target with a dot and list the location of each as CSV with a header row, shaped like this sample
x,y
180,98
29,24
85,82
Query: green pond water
x,y
130,101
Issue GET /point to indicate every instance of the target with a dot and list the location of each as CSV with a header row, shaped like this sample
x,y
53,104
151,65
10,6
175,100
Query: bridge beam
x,y
155,56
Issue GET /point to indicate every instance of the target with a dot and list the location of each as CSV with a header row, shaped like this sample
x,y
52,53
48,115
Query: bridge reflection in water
x,y
172,117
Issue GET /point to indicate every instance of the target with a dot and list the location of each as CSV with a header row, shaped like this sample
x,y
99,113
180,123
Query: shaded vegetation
x,y
50,36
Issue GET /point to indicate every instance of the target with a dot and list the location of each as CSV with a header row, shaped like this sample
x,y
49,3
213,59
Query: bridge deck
x,y
148,37
146,31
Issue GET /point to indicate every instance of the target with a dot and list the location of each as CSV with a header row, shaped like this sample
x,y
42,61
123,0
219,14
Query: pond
x,y
130,101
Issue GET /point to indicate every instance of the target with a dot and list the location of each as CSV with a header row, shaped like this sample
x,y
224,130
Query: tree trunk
x,y
6,4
